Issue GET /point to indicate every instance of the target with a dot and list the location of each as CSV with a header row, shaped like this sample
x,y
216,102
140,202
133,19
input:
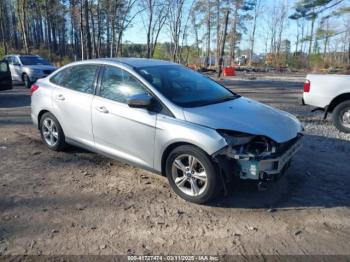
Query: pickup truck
x,y
331,94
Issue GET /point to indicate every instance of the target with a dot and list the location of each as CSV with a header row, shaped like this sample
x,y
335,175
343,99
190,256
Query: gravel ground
x,y
77,202
289,77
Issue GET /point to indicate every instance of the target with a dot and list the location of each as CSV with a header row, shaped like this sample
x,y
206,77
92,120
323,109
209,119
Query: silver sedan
x,y
165,118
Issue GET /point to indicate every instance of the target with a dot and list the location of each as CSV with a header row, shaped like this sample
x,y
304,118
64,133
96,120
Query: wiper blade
x,y
211,102
227,98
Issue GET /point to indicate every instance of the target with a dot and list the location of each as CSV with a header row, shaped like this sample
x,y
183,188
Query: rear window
x,y
33,60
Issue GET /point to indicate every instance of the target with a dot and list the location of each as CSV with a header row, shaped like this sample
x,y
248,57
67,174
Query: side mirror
x,y
17,64
140,101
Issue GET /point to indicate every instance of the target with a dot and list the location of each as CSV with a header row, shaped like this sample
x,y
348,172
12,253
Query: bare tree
x,y
156,12
275,20
195,26
185,33
281,23
203,17
2,26
218,5
223,41
82,47
234,34
310,10
256,12
125,20
208,19
66,30
175,25
87,30
22,16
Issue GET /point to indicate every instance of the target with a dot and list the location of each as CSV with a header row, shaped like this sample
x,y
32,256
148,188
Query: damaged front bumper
x,y
268,167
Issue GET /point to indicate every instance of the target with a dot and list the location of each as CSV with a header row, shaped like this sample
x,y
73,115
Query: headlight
x,y
246,145
235,138
261,145
34,71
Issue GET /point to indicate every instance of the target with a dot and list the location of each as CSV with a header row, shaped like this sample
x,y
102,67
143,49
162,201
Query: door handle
x,y
102,109
60,97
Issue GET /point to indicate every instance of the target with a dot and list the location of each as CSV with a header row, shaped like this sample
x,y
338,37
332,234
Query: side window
x,y
15,60
79,78
4,67
154,79
60,77
9,59
119,85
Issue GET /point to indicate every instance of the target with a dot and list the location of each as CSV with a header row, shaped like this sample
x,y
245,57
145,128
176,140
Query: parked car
x,y
331,94
5,76
165,118
28,68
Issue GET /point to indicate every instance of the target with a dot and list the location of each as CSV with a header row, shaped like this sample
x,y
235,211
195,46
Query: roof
x,y
136,62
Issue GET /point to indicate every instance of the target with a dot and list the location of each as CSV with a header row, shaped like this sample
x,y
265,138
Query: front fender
x,y
26,70
171,130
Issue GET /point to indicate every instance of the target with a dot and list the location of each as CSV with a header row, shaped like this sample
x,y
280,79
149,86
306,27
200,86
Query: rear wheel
x,y
26,81
51,132
341,117
192,174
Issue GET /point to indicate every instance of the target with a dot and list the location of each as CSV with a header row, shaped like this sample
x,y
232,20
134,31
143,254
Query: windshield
x,y
185,87
33,60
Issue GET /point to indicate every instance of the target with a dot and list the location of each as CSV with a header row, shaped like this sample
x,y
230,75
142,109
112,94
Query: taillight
x,y
307,86
33,88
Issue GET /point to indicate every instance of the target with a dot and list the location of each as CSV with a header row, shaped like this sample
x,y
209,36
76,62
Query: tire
x,y
54,139
341,116
192,186
26,81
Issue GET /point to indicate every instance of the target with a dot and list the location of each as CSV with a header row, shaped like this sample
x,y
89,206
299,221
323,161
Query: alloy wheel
x,y
50,131
26,81
189,175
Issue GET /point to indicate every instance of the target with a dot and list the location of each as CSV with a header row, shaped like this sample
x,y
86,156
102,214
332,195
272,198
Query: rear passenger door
x,y
71,100
118,129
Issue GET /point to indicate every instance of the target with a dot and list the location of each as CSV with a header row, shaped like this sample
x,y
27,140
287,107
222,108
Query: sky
x,y
137,33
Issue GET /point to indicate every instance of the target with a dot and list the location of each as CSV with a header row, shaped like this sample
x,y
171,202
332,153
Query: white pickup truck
x,y
331,94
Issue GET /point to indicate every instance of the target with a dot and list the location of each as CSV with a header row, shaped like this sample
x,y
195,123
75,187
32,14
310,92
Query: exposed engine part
x,y
249,147
258,157
260,145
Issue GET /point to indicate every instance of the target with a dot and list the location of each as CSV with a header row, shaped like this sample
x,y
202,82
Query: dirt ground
x,y
77,202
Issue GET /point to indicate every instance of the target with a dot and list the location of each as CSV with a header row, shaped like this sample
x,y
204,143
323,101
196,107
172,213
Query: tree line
x,y
197,31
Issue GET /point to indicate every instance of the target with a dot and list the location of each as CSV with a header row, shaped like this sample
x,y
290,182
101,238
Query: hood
x,y
40,67
246,116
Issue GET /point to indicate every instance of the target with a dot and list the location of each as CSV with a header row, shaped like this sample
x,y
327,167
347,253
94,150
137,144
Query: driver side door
x,y
5,76
119,130
15,68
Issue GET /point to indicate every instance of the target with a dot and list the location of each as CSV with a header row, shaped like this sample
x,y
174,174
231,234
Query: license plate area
x,y
258,169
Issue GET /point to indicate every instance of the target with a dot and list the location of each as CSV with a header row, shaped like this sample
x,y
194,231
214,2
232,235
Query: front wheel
x,y
192,174
341,117
26,80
